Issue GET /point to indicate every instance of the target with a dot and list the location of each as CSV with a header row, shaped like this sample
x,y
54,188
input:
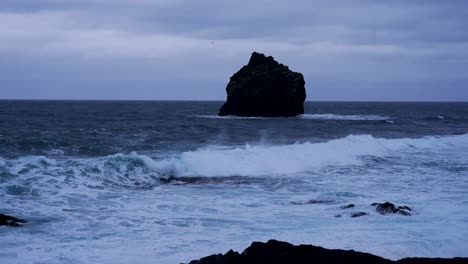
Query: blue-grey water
x,y
168,182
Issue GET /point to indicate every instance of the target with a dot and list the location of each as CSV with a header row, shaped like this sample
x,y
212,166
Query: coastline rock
x,y
265,88
312,202
358,214
6,220
389,208
277,252
347,206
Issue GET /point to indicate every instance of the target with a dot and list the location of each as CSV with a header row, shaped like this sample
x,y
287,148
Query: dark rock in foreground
x,y
6,220
277,252
389,208
265,88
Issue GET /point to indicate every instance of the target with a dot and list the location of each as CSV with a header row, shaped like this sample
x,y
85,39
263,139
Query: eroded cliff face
x,y
266,88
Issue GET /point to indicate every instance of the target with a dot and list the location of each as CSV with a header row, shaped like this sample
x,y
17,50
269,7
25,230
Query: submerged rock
x,y
277,252
6,220
389,208
313,202
347,206
265,88
358,214
204,180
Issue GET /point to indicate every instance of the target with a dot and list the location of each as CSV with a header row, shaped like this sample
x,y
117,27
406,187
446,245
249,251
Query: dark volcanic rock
x,y
389,208
313,202
347,206
358,214
277,252
204,180
7,220
266,88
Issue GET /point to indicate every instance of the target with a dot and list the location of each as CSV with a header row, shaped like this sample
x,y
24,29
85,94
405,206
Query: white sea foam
x,y
248,160
29,162
81,209
296,158
231,117
308,116
55,152
344,117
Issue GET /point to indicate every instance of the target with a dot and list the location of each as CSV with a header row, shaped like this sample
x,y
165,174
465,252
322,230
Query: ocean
x,y
170,181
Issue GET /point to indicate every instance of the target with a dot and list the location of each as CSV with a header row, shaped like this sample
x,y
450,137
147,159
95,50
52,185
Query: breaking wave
x,y
260,160
141,171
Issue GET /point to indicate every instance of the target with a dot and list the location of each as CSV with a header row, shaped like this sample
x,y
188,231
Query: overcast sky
x,y
174,49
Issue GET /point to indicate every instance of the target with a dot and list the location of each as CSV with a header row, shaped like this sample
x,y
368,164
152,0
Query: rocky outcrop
x,y
277,252
347,206
389,208
265,88
358,214
6,220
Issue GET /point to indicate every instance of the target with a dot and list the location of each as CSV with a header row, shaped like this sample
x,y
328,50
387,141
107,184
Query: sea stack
x,y
265,88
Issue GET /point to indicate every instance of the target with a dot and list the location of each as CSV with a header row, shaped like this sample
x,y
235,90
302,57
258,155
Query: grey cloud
x,y
354,49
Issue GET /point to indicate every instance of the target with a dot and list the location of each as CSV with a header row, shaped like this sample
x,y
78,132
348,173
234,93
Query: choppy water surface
x,y
167,182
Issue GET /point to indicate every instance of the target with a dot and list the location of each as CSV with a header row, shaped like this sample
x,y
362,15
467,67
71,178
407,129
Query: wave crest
x,y
135,170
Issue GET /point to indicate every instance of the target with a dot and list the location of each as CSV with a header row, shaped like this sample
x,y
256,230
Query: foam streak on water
x,y
344,117
182,205
308,116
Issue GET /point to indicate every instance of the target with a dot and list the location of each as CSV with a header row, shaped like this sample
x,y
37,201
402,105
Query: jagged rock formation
x,y
389,208
265,88
277,252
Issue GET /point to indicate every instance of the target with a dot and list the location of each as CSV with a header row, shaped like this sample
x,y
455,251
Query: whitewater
x,y
118,187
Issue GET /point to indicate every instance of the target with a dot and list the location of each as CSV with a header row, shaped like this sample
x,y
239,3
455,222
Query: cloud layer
x,y
122,49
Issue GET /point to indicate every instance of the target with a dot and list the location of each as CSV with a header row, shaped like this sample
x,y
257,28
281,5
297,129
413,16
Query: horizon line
x,y
217,100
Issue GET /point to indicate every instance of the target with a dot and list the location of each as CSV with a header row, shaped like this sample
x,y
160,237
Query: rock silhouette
x,y
277,252
265,88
